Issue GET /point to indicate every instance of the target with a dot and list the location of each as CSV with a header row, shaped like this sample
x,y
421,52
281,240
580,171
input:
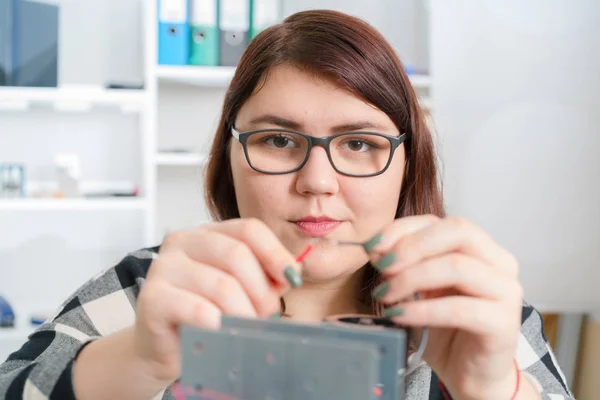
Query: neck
x,y
316,300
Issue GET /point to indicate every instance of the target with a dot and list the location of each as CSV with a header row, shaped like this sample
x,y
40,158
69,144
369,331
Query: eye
x,y
357,145
362,143
279,141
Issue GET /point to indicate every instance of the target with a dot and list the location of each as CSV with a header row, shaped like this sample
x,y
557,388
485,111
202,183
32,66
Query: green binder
x,y
205,33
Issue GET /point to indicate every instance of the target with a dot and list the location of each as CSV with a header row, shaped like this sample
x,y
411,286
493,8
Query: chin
x,y
326,265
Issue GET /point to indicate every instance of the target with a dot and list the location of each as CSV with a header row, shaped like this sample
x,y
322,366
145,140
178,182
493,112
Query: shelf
x,y
426,102
221,76
17,333
11,339
33,204
420,81
179,159
198,76
70,98
21,330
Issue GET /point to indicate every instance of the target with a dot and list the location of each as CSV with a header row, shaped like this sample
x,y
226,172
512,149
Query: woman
x,y
320,136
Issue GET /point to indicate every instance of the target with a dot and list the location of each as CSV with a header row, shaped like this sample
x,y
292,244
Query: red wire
x,y
514,396
303,255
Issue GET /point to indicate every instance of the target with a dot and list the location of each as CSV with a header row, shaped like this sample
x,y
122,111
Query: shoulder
x,y
129,272
535,356
533,337
135,265
106,302
531,319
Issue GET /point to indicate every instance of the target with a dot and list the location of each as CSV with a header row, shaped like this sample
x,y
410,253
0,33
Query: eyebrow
x,y
296,126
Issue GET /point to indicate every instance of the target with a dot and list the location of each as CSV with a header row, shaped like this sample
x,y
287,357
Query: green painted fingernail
x,y
381,290
293,277
373,242
275,315
385,261
393,312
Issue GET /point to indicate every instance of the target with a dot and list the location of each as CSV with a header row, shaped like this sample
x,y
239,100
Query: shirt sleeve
x,y
536,359
42,368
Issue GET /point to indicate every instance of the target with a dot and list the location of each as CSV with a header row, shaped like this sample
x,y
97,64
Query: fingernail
x,y
393,312
275,315
385,261
381,290
373,242
293,277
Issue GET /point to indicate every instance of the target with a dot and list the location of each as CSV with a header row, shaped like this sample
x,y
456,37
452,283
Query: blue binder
x,y
6,41
173,32
35,44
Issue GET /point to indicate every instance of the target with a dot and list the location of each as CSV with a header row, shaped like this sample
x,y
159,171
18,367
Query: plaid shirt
x,y
42,367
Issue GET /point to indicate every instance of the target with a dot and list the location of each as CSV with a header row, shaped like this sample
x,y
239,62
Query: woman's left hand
x,y
471,300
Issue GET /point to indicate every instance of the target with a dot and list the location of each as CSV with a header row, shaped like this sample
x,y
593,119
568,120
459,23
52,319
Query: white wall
x,y
517,93
404,23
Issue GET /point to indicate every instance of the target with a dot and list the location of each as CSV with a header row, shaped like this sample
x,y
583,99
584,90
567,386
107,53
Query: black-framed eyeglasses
x,y
283,151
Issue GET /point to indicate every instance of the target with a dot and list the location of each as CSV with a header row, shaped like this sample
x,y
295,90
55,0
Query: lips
x,y
317,226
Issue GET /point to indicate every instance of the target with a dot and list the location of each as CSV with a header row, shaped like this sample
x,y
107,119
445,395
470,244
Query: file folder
x,y
6,41
204,48
263,13
173,32
35,44
234,24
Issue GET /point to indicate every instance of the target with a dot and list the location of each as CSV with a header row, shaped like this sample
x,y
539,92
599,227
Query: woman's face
x,y
357,207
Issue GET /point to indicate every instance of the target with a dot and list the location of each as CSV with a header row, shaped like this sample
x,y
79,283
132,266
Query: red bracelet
x,y
514,396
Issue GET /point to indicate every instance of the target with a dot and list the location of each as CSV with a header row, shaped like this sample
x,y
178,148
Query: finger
x,y
233,257
475,315
385,241
453,234
273,256
172,307
216,285
453,270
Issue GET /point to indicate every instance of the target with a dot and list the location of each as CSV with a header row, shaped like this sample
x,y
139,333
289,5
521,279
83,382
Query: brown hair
x,y
351,53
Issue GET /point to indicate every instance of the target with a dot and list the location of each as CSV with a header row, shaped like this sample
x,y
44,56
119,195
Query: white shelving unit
x,y
198,76
42,204
74,98
420,81
221,76
180,159
50,246
78,99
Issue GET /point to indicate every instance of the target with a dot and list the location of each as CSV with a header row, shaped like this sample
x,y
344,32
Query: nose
x,y
317,177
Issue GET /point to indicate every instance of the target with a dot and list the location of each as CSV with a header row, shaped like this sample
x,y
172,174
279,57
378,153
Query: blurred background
x,y
107,108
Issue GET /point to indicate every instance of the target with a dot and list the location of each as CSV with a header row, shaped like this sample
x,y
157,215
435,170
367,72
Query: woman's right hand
x,y
236,267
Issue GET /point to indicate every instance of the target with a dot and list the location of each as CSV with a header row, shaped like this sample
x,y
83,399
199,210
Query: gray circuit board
x,y
251,359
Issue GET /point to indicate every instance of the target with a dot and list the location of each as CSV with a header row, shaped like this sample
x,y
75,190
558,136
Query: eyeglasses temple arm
x,y
235,133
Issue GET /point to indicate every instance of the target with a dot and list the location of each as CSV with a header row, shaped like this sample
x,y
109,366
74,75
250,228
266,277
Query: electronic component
x,y
254,359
